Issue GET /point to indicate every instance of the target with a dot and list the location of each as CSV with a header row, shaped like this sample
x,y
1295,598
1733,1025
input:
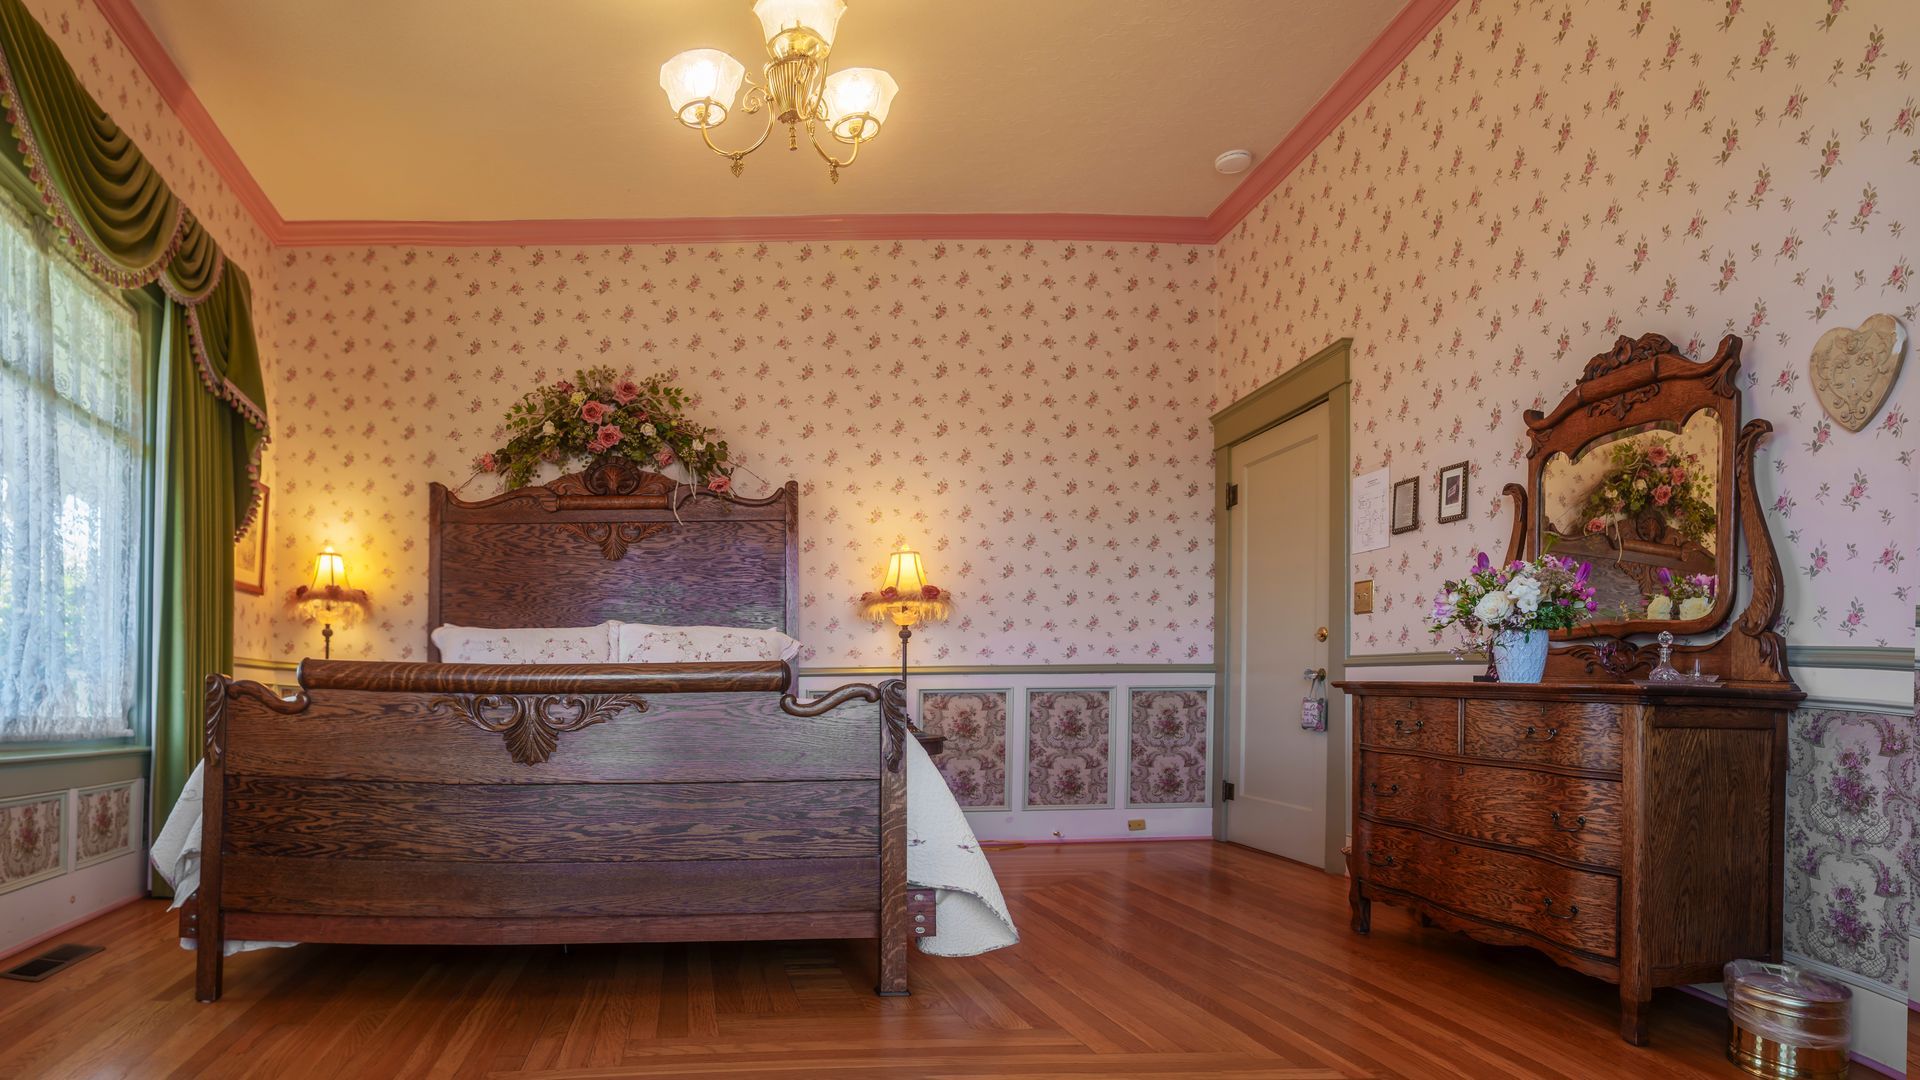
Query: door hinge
x,y
1233,496
1226,791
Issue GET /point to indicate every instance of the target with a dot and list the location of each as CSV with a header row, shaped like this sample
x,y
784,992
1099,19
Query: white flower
x,y
1525,592
647,430
1639,485
1660,607
1694,607
698,445
547,428
1493,608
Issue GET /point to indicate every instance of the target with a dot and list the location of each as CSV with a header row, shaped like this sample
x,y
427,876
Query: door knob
x,y
1320,634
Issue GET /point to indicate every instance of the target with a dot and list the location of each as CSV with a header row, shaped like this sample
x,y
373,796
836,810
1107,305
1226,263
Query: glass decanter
x,y
1664,671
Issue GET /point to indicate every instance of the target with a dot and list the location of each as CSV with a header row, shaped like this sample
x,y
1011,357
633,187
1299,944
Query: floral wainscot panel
x,y
1069,748
1852,862
975,759
103,824
30,839
1167,747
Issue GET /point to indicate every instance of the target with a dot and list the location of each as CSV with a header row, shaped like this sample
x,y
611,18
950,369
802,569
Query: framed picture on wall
x,y
1453,493
250,553
1406,505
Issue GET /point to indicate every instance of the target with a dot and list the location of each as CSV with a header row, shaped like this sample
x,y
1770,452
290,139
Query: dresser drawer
x,y
1568,816
1573,908
1411,723
1575,734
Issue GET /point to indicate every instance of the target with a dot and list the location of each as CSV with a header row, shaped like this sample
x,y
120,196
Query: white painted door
x,y
1277,610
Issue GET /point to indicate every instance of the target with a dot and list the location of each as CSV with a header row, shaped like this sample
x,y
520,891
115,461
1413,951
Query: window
x,y
73,476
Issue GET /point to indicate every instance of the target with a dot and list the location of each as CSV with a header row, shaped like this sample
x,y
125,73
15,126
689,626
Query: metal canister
x,y
1784,1021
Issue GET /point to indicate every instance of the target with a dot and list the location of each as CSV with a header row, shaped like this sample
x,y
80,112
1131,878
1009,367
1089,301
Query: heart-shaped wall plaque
x,y
1853,370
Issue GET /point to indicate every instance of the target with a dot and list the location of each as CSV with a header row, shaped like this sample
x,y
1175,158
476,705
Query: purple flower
x,y
1482,564
1586,571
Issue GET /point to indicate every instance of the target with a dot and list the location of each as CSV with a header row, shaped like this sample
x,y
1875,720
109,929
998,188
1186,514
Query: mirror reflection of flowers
x,y
1549,593
1650,476
599,412
1691,596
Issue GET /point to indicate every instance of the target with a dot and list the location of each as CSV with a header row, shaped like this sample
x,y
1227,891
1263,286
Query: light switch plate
x,y
1363,597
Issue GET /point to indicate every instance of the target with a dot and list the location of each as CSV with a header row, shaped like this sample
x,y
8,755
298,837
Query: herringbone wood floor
x,y
1161,960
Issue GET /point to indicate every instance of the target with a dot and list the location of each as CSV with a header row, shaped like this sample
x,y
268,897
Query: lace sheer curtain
x,y
71,474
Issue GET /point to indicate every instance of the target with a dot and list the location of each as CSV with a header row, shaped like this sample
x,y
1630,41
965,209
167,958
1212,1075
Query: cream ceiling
x,y
509,109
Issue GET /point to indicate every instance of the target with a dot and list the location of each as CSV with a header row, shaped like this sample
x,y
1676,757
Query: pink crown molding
x,y
1379,59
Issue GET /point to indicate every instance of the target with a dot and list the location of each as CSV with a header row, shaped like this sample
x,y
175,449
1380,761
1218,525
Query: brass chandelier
x,y
850,105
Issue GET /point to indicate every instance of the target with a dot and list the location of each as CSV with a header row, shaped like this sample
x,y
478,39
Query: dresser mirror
x,y
1644,471
1642,505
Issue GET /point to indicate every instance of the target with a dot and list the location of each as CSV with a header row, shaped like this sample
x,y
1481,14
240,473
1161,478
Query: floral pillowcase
x,y
525,645
643,643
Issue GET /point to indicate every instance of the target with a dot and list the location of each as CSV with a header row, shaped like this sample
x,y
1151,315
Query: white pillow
x,y
645,643
525,644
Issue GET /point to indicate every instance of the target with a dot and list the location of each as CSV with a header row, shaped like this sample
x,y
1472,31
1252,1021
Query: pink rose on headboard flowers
x,y
664,457
485,462
609,435
593,412
720,485
625,391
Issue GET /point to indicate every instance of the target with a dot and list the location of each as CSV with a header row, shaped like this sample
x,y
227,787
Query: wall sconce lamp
x,y
329,598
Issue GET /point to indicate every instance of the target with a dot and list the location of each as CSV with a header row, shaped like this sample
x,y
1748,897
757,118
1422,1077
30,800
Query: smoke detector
x,y
1233,162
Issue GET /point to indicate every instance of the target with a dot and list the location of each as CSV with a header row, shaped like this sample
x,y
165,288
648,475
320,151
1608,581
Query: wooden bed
x,y
478,804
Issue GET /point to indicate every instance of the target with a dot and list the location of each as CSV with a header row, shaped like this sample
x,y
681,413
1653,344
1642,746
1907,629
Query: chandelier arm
x,y
832,162
706,135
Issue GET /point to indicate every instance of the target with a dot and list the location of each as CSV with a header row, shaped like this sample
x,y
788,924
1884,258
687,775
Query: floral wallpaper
x,y
1537,179
974,760
1032,416
116,80
1168,747
30,841
1853,834
1069,743
103,823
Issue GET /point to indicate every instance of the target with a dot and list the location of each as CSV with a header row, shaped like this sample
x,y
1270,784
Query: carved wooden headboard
x,y
613,542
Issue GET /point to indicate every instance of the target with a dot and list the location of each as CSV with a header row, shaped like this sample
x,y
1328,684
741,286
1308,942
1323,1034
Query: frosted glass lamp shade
x,y
780,18
697,76
858,100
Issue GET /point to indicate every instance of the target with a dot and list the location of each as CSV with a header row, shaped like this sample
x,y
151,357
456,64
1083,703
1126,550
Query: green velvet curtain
x,y
125,225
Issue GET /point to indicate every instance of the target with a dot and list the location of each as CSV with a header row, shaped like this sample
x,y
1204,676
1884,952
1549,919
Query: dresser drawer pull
x,y
1392,789
1578,823
1376,860
1418,725
1551,732
1573,910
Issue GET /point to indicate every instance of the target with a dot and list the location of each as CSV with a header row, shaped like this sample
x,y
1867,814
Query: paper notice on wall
x,y
1371,495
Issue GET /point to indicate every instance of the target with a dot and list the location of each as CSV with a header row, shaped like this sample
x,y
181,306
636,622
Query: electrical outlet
x,y
1363,597
1136,824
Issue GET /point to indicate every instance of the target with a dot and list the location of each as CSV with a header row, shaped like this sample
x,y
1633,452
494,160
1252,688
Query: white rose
x,y
647,430
1694,607
1525,592
1493,607
698,445
1660,607
547,428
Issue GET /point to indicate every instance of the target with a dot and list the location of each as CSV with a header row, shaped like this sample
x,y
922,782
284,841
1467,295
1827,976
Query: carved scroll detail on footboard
x,y
530,726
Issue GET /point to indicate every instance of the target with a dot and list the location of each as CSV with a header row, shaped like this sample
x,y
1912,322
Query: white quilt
x,y
942,855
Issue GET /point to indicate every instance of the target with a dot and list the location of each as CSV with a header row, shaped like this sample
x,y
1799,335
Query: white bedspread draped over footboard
x,y
942,855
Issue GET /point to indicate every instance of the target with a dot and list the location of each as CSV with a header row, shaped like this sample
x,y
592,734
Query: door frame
x,y
1322,377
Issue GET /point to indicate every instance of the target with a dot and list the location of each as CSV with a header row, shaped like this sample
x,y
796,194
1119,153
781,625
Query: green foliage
x,y
598,412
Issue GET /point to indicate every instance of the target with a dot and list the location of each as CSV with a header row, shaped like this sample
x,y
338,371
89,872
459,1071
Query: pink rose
x,y
1663,495
720,485
1657,454
485,462
1596,525
594,411
664,458
563,386
625,390
609,434
1677,474
929,592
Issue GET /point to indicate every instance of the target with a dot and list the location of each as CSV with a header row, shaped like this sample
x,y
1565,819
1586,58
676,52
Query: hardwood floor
x,y
1162,960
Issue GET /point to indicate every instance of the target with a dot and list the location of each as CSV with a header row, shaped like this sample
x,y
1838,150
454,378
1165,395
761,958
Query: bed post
x,y
210,948
893,839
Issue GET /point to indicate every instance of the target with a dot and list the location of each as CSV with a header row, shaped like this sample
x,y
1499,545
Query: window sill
x,y
37,754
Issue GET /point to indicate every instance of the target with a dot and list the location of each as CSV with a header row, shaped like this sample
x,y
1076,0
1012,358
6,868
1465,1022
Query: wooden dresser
x,y
1633,835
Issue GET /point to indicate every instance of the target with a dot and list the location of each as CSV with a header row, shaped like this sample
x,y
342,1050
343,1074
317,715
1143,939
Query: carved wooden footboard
x,y
471,804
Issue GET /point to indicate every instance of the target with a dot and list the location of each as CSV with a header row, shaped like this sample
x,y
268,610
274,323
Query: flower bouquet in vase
x,y
1510,609
1683,598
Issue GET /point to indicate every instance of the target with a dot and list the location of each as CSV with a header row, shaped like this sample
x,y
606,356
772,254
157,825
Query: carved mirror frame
x,y
1641,382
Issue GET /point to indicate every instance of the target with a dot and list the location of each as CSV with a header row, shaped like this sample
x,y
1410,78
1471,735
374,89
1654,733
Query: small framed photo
x,y
1406,506
250,553
1453,493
